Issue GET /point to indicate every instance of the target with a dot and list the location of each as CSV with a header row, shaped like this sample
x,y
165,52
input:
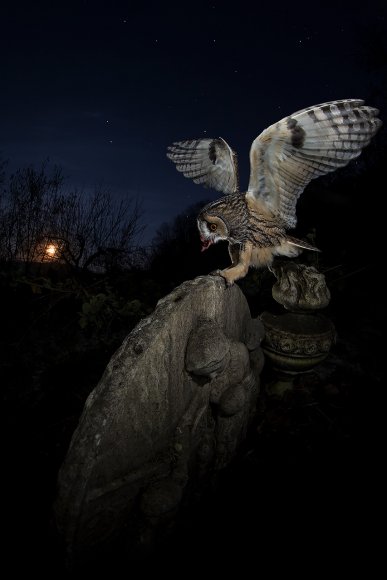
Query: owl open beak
x,y
206,243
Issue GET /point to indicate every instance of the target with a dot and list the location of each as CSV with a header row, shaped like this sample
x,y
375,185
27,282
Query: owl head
x,y
212,229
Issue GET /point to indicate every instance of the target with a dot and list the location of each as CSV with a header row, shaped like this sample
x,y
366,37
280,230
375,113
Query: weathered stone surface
x,y
161,498
299,287
149,425
254,333
207,349
237,368
233,400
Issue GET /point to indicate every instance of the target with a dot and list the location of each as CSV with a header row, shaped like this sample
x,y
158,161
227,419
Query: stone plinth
x,y
301,338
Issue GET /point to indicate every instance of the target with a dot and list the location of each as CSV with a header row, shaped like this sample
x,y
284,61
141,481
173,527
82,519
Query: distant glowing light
x,y
51,250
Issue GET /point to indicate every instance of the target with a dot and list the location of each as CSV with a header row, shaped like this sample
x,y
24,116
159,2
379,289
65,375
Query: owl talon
x,y
221,274
216,273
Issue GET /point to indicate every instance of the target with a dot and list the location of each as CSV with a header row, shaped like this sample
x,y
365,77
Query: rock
x,y
148,424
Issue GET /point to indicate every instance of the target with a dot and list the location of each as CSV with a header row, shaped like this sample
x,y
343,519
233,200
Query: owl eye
x,y
213,227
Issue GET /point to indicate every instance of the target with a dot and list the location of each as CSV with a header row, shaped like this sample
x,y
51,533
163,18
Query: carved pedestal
x,y
299,339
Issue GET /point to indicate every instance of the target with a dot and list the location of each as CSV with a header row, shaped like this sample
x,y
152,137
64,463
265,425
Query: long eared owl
x,y
284,158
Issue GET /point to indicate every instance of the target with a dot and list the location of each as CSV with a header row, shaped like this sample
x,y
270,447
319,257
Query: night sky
x,y
101,88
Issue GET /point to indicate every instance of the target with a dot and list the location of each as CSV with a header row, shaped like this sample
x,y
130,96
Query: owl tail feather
x,y
301,244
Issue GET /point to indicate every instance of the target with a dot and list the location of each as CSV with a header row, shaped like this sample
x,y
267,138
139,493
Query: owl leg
x,y
240,269
233,250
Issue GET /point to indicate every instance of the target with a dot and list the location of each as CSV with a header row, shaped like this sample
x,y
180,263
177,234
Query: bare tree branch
x,y
40,221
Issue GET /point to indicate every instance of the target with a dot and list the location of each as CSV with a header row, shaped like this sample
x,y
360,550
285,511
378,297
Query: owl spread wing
x,y
286,156
210,162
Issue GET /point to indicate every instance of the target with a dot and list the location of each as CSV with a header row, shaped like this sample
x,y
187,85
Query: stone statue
x,y
174,402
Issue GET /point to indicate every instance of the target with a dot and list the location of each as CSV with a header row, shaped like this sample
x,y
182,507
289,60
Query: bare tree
x,y
42,222
26,207
95,230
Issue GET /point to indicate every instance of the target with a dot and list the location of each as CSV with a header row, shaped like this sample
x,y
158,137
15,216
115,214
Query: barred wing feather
x,y
286,156
210,162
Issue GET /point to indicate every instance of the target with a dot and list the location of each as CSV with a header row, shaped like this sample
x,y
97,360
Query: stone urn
x,y
301,337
